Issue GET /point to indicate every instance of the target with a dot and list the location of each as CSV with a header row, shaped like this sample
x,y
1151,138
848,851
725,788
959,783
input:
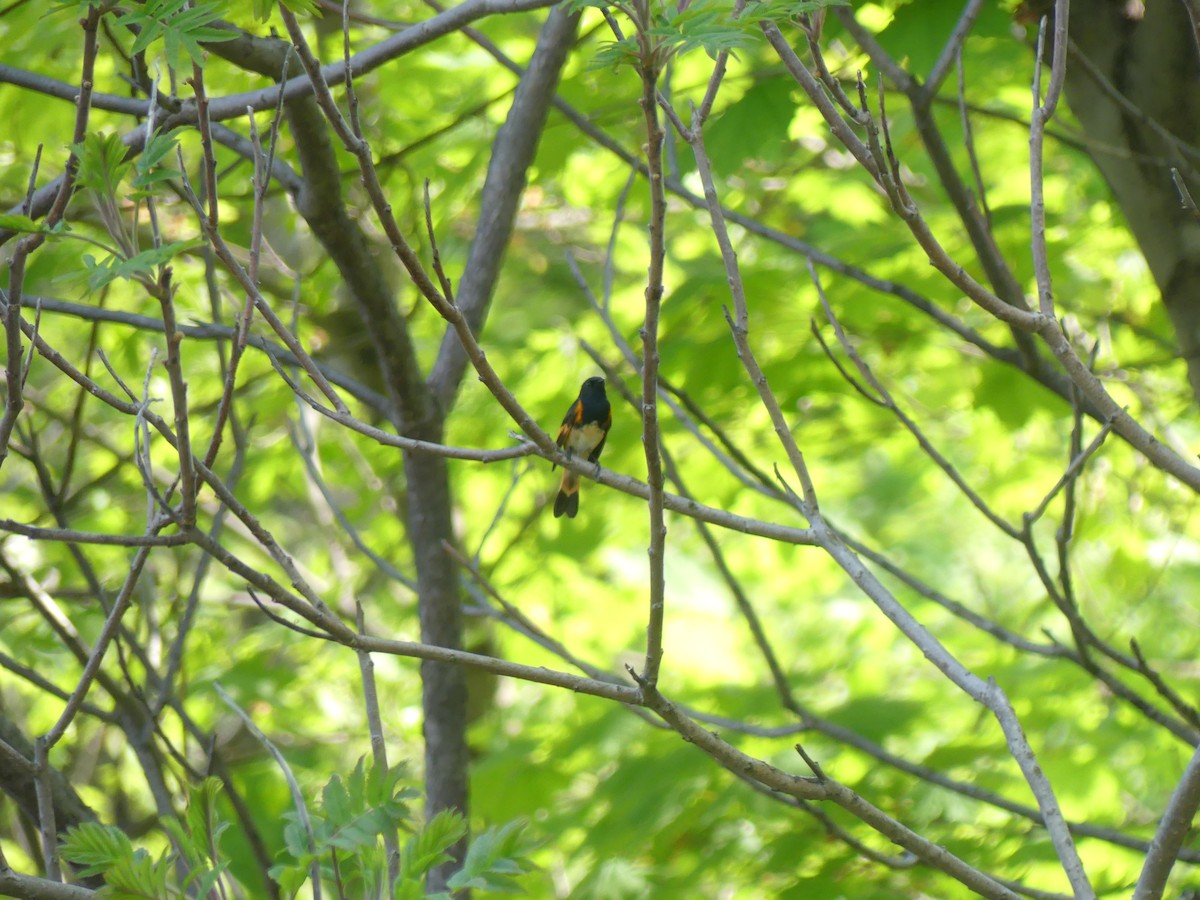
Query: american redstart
x,y
583,432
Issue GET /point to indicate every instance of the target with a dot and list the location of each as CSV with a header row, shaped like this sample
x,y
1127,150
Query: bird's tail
x,y
567,501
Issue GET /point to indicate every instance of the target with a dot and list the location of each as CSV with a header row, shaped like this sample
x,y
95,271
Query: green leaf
x,y
204,880
414,889
335,799
191,852
706,24
203,819
352,819
96,847
384,785
353,815
264,8
141,876
493,861
877,718
1014,403
149,169
575,6
15,222
201,828
289,877
615,53
181,28
102,163
138,265
781,10
295,838
918,31
427,848
753,127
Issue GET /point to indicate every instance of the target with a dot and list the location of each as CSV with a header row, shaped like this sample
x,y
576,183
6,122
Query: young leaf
x,y
613,54
102,163
264,8
182,29
575,6
149,169
96,847
289,877
493,861
427,848
140,877
19,223
335,800
200,882
138,265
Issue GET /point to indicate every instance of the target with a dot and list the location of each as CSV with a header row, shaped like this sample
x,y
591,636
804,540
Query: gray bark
x,y
1152,61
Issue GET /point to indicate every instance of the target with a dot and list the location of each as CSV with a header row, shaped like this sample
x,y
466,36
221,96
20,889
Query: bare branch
x,y
512,153
30,887
649,69
14,373
107,633
952,49
1174,826
825,788
293,786
70,535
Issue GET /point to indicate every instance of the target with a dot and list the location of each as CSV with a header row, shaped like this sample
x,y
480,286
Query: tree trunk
x,y
1151,59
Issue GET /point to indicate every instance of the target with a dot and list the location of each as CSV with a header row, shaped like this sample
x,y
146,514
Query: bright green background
x,y
625,809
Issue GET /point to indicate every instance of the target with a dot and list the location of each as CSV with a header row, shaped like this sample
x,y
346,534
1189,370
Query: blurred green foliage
x,y
623,809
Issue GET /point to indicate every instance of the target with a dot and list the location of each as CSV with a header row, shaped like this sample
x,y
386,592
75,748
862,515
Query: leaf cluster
x,y
134,873
345,834
180,25
343,838
708,25
589,775
264,8
104,167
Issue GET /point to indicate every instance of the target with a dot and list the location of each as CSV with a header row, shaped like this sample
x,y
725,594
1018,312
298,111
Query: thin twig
x,y
739,325
888,402
1186,710
107,633
824,788
952,49
174,365
306,449
293,786
225,254
649,69
964,116
61,193
73,536
186,620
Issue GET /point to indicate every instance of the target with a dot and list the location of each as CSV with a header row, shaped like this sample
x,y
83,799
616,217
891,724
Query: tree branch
x,y
512,154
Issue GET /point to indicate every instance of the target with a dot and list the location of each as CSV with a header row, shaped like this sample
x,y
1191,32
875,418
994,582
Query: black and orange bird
x,y
583,432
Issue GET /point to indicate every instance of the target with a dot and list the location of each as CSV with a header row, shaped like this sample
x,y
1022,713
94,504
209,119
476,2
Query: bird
x,y
583,433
